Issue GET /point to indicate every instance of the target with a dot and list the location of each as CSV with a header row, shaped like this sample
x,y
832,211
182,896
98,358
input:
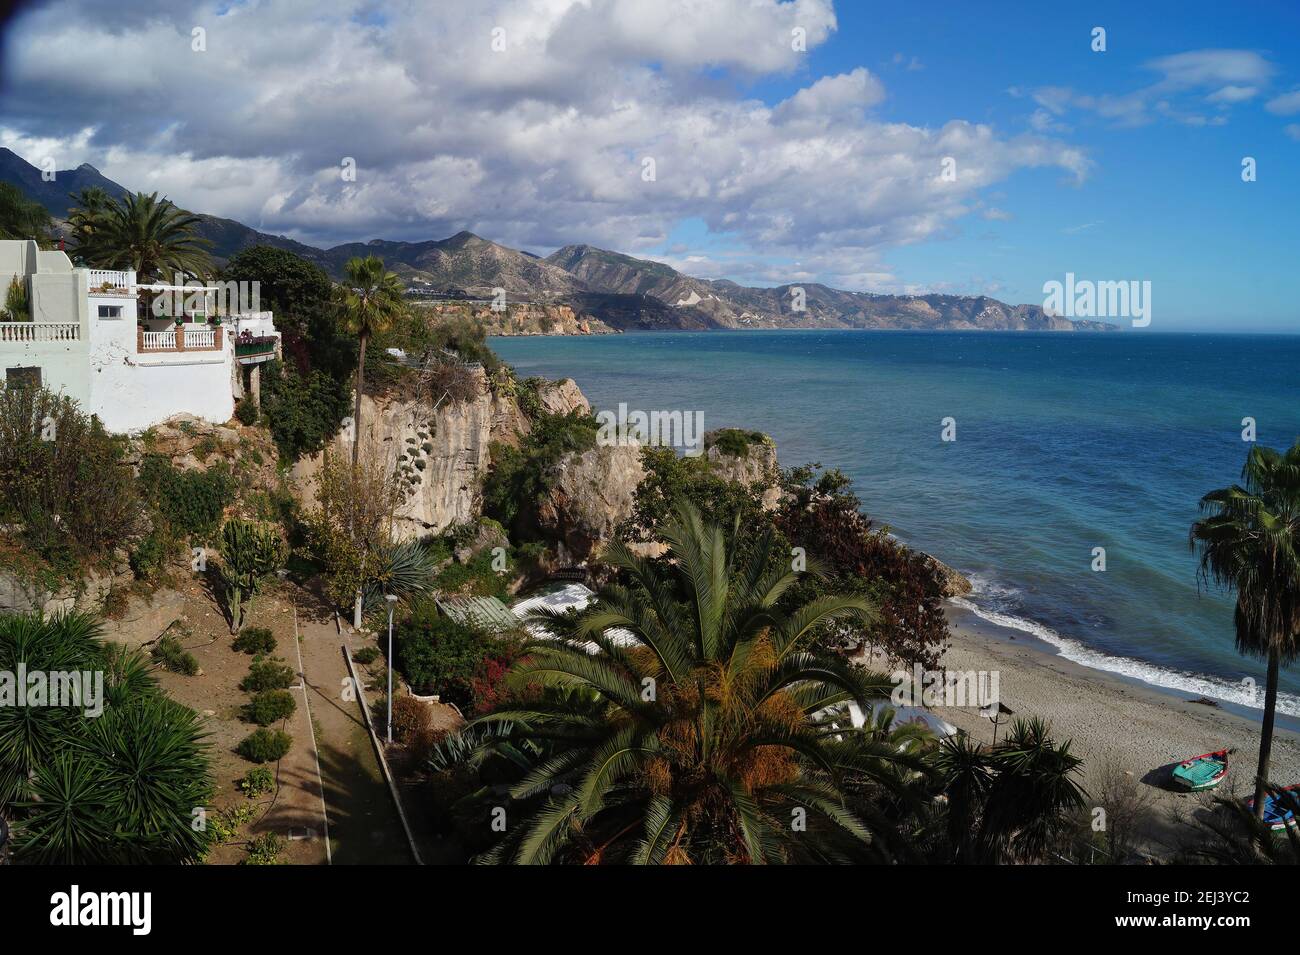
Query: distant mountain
x,y
464,262
624,292
725,304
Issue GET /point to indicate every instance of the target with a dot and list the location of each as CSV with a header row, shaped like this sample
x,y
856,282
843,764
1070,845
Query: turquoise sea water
x,y
1064,443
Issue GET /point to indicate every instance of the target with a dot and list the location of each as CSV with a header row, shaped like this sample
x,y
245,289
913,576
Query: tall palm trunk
x,y
356,414
1266,733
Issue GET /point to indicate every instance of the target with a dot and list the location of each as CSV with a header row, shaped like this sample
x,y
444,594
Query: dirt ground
x,y
330,780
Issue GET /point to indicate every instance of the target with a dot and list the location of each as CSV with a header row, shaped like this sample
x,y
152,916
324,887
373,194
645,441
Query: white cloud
x,y
1220,77
536,146
1285,105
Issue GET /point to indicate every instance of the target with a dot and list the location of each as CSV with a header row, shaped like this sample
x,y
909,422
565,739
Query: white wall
x,y
132,392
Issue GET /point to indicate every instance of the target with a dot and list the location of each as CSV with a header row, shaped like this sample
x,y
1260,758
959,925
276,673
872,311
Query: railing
x,y
249,347
181,338
159,341
101,277
198,337
40,332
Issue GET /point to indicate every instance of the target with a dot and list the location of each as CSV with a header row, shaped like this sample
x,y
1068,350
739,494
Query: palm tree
x,y
92,204
1249,541
682,719
372,300
144,233
22,218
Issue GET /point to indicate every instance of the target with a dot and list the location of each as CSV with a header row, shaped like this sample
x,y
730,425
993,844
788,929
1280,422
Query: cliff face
x,y
520,318
591,494
452,443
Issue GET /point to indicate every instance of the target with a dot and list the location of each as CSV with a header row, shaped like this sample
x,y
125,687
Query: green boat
x,y
1202,772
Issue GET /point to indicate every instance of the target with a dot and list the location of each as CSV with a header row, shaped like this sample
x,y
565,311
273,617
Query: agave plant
x,y
31,735
404,570
250,552
122,786
682,718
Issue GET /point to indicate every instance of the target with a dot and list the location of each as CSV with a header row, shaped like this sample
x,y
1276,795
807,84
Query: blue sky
x,y
1163,200
773,165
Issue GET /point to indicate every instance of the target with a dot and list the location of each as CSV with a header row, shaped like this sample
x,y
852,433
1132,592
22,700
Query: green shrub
x,y
267,674
193,502
366,655
265,746
255,640
438,655
149,556
270,706
16,301
736,442
257,782
246,411
62,481
265,850
304,413
169,653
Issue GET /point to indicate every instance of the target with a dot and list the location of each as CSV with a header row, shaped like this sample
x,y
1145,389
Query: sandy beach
x,y
1112,722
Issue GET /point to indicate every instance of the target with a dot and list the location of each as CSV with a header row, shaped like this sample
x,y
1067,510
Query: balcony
x,y
106,282
252,349
40,332
181,338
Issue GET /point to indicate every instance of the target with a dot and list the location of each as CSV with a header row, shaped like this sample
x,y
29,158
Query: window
x,y
23,377
110,311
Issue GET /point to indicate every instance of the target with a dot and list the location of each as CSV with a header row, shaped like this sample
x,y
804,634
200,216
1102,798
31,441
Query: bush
x,y
270,706
303,412
62,480
736,442
438,655
267,674
16,301
265,850
149,556
410,718
257,782
192,502
265,746
366,655
246,411
169,653
255,640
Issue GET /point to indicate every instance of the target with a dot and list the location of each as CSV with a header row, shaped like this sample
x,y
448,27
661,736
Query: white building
x,y
84,340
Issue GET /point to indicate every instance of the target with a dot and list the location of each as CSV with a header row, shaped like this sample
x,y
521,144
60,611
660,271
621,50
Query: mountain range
x,y
624,292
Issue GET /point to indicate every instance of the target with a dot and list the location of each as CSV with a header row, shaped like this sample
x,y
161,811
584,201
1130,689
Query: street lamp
x,y
392,602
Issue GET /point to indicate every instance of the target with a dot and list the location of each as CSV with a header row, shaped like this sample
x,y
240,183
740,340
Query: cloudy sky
x,y
790,141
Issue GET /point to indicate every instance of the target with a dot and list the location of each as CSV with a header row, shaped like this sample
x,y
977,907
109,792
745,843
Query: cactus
x,y
250,552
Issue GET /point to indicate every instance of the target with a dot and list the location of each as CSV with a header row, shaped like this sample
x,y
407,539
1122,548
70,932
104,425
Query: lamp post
x,y
392,602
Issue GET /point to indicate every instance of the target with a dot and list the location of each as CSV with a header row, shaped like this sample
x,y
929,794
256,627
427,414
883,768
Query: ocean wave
x,y
1208,686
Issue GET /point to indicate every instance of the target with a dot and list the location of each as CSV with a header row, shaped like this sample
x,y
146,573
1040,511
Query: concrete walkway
x,y
363,824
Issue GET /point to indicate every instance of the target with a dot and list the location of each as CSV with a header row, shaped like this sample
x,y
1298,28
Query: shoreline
x,y
1114,723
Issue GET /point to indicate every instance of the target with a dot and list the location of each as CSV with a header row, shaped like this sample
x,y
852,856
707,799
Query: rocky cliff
x,y
519,318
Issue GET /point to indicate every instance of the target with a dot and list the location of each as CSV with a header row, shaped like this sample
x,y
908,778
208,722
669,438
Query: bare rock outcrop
x,y
591,494
745,457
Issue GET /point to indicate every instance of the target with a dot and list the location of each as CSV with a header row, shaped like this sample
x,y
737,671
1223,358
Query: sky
x,y
899,148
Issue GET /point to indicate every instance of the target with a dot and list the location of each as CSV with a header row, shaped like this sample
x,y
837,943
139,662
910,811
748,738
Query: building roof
x,y
485,613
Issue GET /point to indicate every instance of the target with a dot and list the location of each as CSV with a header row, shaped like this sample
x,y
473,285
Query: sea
x,y
1074,469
